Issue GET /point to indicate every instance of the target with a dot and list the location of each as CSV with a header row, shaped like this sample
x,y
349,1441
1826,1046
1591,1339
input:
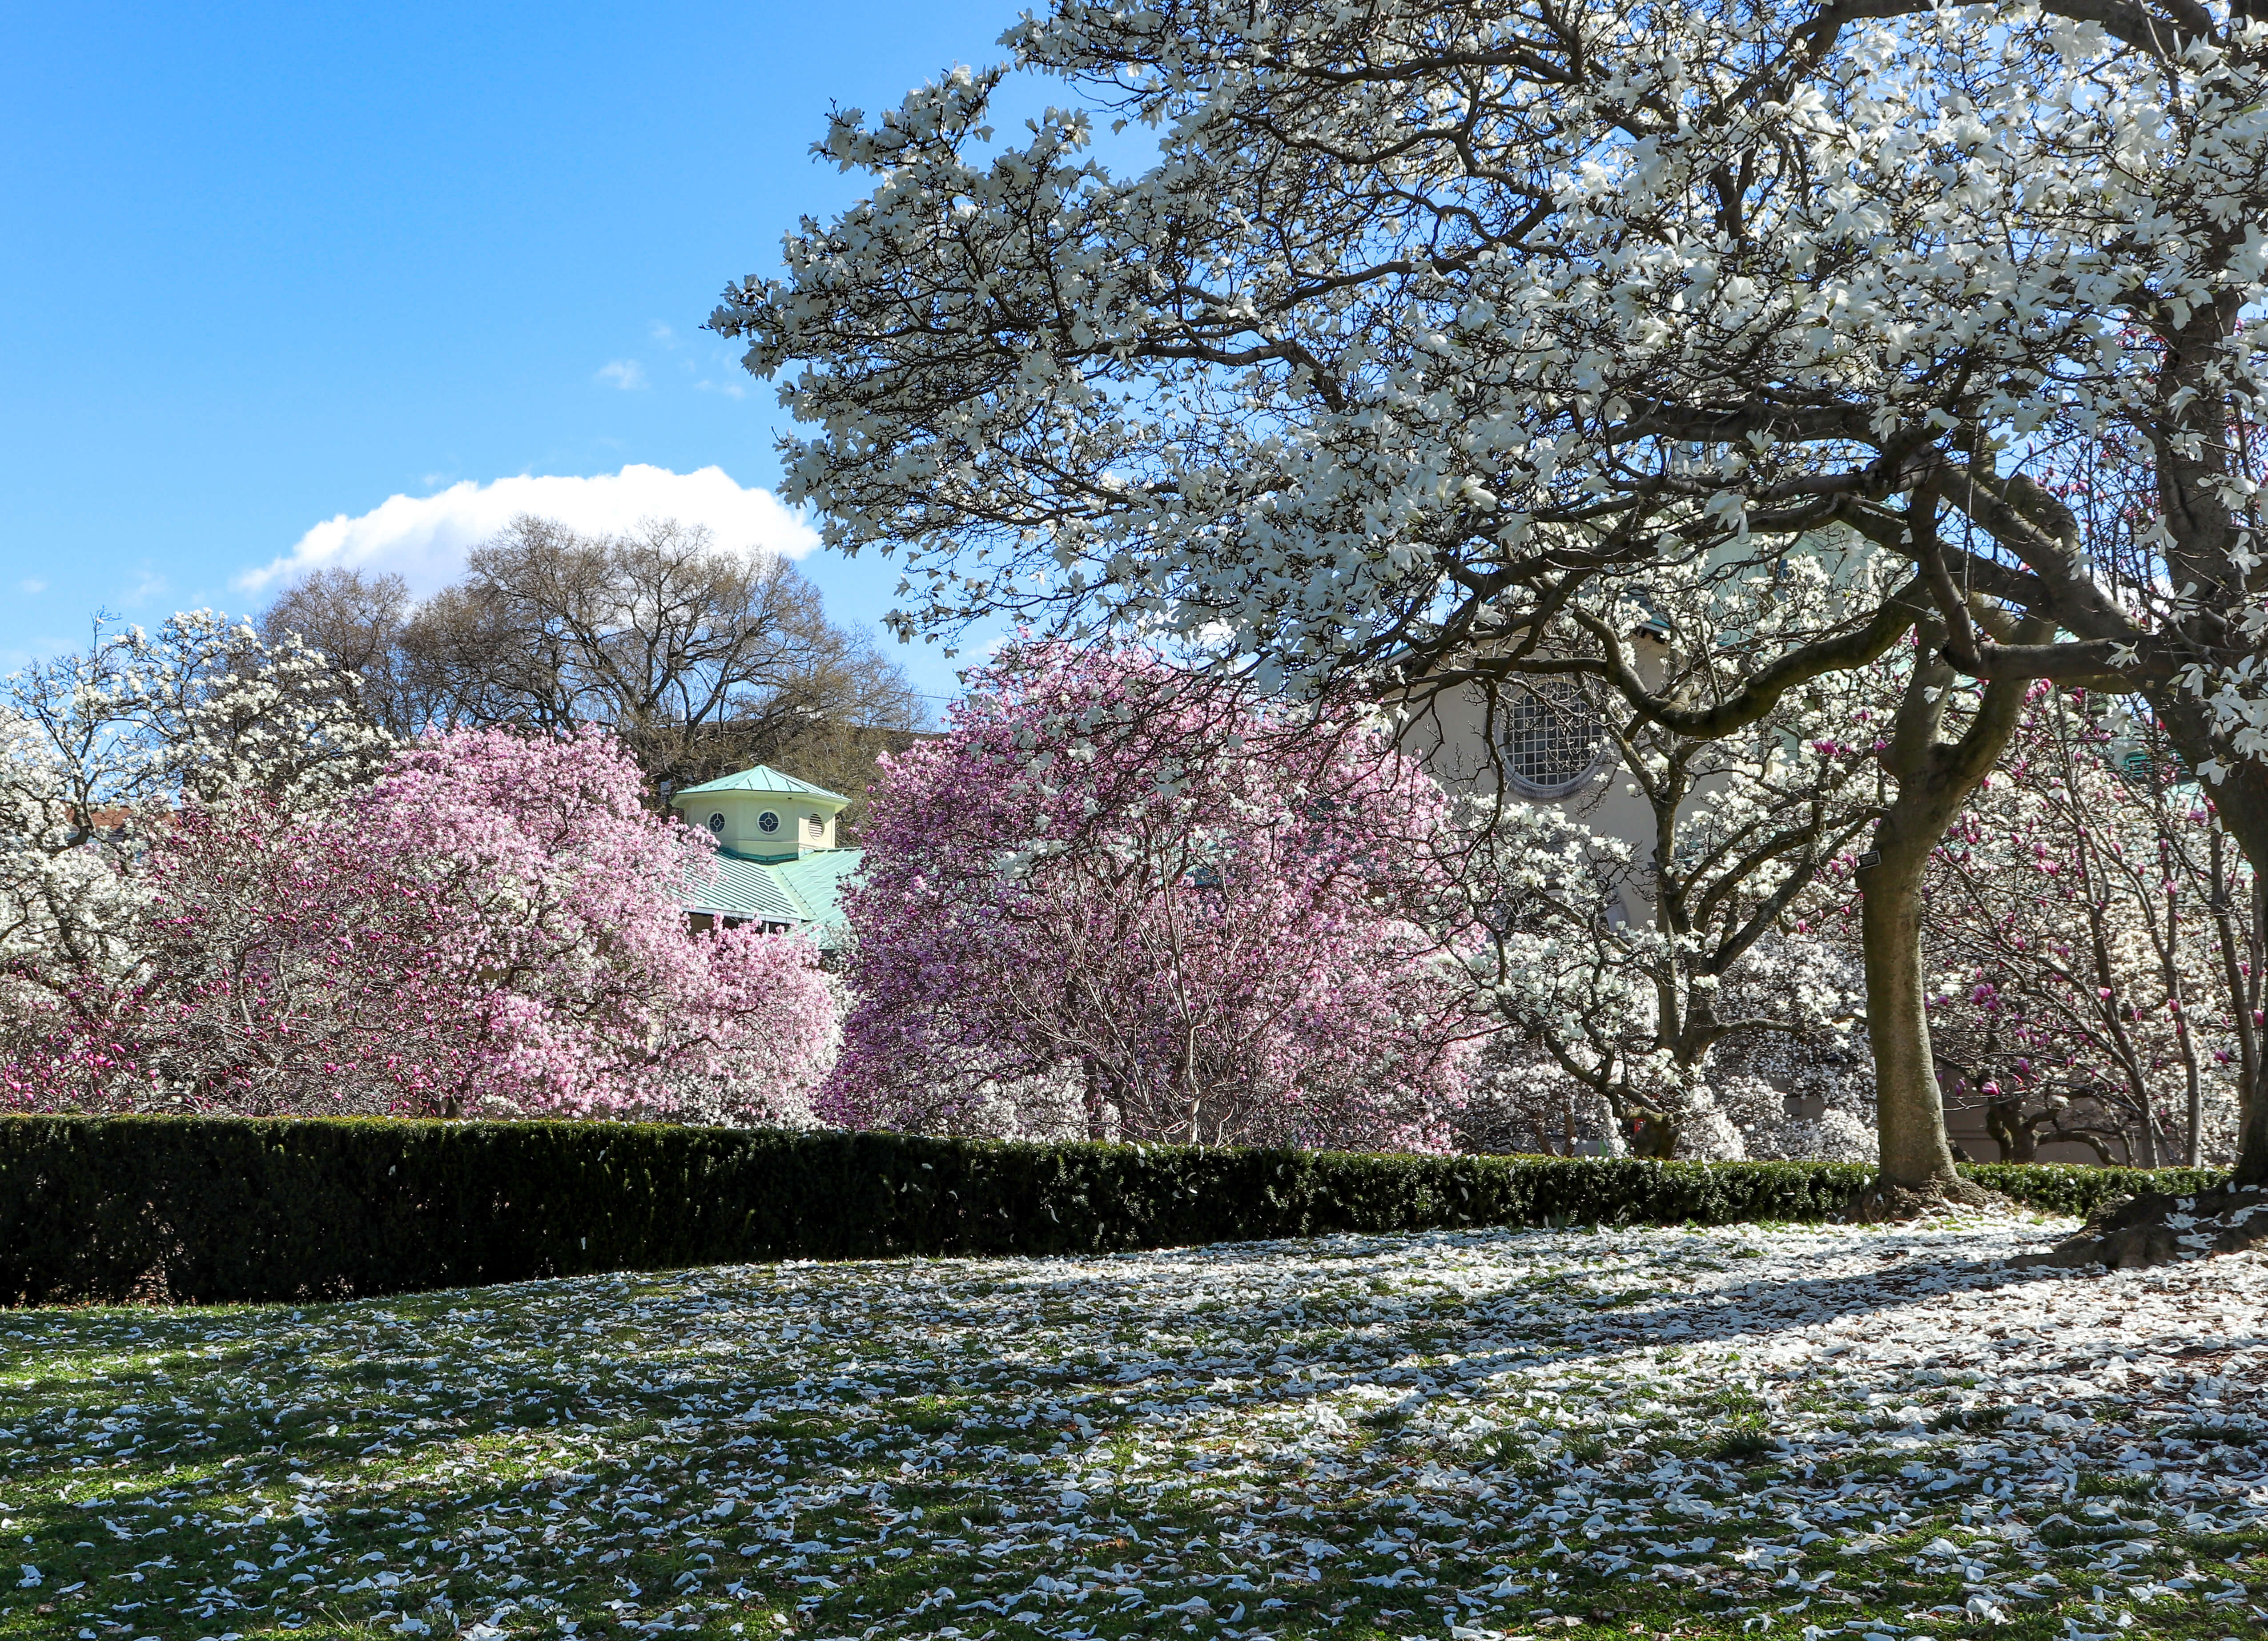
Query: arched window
x,y
1552,741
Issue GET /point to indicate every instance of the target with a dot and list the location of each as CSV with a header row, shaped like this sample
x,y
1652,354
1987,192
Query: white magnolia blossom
x,y
1408,289
1673,993
98,748
1402,322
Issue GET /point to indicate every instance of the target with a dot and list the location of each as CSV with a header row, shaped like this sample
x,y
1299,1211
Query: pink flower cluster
x,y
493,927
2096,944
1117,901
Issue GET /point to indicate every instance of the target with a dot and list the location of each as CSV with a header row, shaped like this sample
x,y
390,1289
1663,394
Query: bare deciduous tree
x,y
704,660
359,623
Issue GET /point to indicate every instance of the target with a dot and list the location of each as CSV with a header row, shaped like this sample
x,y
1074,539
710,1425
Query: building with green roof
x,y
776,864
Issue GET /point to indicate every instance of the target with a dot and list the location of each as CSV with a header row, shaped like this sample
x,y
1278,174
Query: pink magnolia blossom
x,y
1118,901
492,927
2090,926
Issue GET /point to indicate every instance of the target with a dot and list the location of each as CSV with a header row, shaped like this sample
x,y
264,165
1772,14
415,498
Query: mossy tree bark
x,y
1932,778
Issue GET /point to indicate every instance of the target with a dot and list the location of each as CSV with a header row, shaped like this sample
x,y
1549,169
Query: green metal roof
x,y
763,778
742,888
802,893
816,881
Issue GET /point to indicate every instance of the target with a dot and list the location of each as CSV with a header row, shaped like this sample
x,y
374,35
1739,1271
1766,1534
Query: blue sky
x,y
263,267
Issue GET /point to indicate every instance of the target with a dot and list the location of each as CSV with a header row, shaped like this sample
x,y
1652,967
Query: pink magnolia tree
x,y
1119,902
2096,945
492,927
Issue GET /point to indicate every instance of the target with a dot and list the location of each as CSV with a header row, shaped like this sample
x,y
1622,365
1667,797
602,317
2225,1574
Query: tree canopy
x,y
704,660
1417,319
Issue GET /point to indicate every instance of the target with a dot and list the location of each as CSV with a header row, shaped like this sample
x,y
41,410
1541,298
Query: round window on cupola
x,y
717,823
767,821
818,825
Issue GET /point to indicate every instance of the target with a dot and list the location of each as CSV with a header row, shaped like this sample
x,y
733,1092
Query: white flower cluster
x,y
1405,291
98,748
1688,994
1405,328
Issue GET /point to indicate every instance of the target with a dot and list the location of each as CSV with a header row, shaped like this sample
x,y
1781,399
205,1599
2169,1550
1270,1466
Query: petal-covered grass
x,y
1779,1431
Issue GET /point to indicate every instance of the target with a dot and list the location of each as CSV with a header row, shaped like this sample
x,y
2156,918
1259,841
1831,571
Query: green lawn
x,y
1791,1432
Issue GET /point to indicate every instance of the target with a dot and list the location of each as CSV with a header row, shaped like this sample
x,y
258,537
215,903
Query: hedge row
x,y
192,1210
2063,1188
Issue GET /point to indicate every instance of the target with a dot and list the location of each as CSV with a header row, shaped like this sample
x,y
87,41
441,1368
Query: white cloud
x,y
623,374
33,585
423,539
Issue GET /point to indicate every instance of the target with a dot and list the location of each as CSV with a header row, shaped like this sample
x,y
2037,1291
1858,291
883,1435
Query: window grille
x,y
1553,741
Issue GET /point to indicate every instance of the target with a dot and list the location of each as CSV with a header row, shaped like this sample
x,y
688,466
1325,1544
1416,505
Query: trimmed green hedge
x,y
2058,1188
195,1210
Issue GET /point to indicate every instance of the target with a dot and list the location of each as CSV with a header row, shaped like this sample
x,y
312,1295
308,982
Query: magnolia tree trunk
x,y
2245,813
1651,1133
1916,1156
2251,1166
2252,1139
1933,780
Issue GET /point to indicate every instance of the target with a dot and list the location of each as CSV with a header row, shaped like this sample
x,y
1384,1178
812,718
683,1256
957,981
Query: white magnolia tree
x,y
1424,316
98,748
1676,986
